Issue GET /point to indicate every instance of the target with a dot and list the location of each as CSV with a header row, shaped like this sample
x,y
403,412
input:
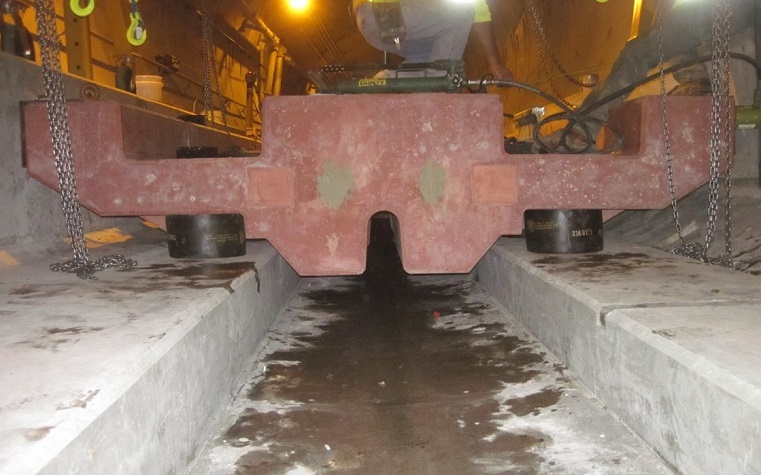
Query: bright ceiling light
x,y
298,5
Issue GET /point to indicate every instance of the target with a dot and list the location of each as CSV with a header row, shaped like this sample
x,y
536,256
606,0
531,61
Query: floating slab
x,y
329,163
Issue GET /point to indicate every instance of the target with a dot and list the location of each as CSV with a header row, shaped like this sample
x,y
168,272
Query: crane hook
x,y
79,10
136,33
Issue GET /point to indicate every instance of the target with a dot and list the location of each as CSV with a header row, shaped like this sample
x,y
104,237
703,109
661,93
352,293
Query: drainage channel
x,y
387,373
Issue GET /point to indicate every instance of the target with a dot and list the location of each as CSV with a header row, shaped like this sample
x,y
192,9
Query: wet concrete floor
x,y
393,374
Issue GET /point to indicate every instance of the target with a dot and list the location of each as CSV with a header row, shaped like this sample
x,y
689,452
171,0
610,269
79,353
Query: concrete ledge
x,y
670,345
126,374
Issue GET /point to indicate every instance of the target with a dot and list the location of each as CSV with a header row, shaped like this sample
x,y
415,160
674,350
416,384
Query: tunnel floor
x,y
387,373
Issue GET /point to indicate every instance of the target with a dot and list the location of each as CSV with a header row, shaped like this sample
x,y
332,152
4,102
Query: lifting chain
x,y
544,45
208,95
720,143
210,79
50,50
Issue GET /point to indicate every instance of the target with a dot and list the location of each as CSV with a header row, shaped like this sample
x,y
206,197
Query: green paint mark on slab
x,y
433,181
334,184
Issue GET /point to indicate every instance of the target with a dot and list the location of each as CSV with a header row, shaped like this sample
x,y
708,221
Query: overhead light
x,y
298,5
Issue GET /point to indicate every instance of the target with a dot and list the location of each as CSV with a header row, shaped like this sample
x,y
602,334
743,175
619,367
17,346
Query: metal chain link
x,y
208,97
720,102
52,76
728,151
666,129
538,30
716,123
211,83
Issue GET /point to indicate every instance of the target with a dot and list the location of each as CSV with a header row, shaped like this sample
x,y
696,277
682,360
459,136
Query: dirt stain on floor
x,y
600,266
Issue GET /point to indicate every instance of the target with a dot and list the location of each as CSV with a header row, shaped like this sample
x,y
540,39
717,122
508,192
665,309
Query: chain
x,y
719,124
210,79
59,130
727,259
666,129
716,123
208,61
538,30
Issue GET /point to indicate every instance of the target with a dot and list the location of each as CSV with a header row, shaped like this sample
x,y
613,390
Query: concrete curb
x,y
153,372
667,344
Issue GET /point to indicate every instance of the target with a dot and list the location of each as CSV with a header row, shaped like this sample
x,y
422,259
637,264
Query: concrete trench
x,y
389,373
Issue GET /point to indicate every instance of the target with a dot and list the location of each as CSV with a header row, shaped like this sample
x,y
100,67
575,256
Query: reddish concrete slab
x,y
328,163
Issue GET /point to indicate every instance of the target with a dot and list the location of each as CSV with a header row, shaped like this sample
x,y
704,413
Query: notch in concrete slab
x,y
383,230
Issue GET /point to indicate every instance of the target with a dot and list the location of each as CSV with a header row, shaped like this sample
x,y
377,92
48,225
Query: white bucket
x,y
150,87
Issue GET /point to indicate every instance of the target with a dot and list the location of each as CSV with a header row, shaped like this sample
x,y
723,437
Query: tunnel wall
x,y
29,211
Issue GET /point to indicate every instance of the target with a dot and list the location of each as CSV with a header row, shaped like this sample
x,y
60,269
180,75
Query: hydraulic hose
x,y
567,113
581,117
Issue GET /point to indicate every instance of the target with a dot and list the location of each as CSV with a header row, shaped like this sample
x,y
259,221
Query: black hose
x,y
567,113
669,70
581,117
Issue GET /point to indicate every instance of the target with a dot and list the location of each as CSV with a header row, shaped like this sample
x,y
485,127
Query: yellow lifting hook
x,y
136,33
79,10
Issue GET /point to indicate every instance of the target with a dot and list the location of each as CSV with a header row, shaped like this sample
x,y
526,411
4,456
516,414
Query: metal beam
x,y
229,39
233,43
118,20
78,52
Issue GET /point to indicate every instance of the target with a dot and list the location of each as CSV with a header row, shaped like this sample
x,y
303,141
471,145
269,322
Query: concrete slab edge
x,y
164,416
694,414
697,415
